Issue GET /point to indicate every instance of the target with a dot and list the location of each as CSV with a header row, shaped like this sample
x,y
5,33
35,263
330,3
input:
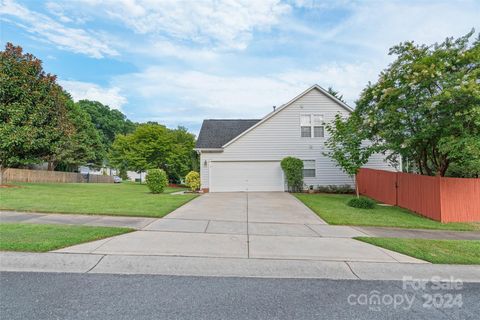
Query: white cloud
x,y
160,48
84,90
47,29
220,24
179,97
379,25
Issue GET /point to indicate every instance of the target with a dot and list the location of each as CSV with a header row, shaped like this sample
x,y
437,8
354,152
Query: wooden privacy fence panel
x,y
420,194
43,176
378,184
460,199
438,198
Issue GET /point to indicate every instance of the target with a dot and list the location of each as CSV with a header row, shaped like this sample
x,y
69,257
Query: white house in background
x,y
245,155
132,175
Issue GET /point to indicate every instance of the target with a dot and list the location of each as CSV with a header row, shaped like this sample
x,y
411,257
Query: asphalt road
x,y
103,296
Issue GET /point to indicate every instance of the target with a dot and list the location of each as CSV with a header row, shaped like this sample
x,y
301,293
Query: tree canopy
x,y
109,122
336,94
425,107
32,109
38,120
154,146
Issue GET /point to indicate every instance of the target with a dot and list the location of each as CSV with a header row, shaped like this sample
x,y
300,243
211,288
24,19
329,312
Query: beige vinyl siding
x,y
280,136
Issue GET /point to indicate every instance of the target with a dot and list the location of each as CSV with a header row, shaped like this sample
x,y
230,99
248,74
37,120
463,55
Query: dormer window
x,y
311,126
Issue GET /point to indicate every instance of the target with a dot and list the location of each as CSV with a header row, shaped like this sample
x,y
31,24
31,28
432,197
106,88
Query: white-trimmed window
x,y
309,169
306,125
318,129
311,126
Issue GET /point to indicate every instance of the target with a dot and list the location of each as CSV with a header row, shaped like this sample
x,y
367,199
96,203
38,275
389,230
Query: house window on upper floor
x,y
306,125
311,126
318,129
309,169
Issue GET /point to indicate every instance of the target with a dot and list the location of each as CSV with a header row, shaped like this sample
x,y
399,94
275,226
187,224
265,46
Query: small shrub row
x,y
157,180
341,189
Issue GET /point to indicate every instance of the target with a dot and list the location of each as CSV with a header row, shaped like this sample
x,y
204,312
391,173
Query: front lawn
x,y
434,251
124,199
44,237
333,209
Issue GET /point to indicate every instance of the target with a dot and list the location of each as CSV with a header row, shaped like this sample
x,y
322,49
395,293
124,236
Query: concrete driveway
x,y
244,225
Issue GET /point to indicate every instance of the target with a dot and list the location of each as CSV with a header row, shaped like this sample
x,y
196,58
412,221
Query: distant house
x,y
245,154
132,175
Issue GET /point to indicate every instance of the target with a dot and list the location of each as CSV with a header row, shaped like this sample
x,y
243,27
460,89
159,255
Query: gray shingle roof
x,y
216,132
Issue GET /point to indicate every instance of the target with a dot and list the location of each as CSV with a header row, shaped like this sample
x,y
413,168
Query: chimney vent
x,y
274,107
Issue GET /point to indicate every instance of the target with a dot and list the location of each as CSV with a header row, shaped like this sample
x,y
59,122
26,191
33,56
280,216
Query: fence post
x,y
396,188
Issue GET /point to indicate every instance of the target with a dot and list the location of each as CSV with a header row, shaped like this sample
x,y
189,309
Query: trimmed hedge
x,y
156,180
361,203
293,168
340,189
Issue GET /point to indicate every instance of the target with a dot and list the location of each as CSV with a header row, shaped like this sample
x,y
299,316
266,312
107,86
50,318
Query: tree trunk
x,y
356,186
2,169
443,168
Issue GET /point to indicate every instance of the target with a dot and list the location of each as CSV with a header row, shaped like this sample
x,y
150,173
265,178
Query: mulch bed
x,y
9,186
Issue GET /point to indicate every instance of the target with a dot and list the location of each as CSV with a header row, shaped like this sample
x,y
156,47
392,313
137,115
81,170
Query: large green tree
x,y
32,109
38,120
425,107
109,122
152,146
80,143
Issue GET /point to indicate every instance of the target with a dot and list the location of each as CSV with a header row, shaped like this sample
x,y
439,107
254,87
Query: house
x,y
245,155
132,175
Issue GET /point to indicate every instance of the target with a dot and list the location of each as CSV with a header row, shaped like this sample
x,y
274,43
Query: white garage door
x,y
246,176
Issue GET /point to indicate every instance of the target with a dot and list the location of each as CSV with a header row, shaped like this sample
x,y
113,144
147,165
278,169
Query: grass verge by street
x,y
45,237
124,199
434,251
334,210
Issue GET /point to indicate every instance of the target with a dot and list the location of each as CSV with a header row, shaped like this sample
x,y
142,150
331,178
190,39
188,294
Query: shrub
x,y
192,180
293,169
156,180
341,189
362,203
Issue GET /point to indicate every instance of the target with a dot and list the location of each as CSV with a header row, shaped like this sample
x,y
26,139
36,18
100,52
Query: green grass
x,y
334,210
434,251
123,199
43,237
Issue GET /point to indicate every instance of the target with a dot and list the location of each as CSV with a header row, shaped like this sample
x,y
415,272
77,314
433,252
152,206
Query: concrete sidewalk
x,y
237,225
75,219
231,267
388,232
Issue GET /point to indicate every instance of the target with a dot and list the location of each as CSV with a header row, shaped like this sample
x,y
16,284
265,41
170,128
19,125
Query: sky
x,y
179,62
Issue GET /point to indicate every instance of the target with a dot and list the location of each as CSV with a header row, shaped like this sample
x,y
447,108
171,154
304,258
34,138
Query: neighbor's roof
x,y
217,132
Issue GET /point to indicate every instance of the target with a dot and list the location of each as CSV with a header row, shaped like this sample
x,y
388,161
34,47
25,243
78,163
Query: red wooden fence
x,y
438,198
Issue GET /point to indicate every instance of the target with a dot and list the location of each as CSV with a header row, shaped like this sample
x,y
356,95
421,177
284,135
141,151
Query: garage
x,y
233,176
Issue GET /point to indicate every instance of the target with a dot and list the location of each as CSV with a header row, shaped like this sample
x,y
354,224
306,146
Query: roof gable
x,y
271,114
